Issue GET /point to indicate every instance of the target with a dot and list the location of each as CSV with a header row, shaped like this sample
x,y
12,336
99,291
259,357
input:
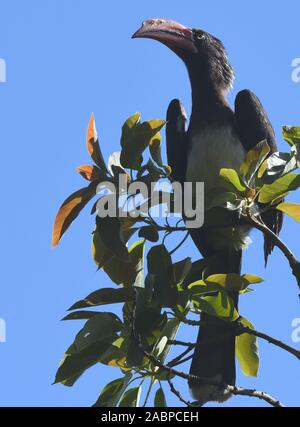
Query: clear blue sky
x,y
65,59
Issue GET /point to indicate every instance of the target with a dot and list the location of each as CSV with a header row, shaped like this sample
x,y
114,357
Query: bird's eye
x,y
200,36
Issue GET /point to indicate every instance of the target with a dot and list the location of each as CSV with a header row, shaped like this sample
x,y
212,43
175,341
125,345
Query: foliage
x,y
155,305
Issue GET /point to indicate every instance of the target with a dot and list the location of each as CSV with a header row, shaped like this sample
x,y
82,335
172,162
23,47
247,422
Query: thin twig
x,y
180,244
231,389
148,392
238,391
186,359
293,261
177,393
181,343
177,359
238,329
243,329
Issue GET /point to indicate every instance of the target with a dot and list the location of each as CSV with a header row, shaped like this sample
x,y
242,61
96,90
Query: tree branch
x,y
178,359
246,330
293,261
239,329
178,395
181,343
232,389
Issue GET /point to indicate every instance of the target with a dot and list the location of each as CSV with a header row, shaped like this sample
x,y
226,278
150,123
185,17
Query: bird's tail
x,y
214,356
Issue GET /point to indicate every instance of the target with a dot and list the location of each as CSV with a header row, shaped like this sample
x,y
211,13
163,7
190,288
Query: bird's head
x,y
203,54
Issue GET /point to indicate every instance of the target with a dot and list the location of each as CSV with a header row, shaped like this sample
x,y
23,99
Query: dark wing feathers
x,y
252,122
253,126
175,136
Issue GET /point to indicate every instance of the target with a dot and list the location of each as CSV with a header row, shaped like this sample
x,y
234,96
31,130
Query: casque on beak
x,y
170,33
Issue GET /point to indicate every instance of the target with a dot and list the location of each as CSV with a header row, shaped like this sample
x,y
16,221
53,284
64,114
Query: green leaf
x,y
114,164
111,234
129,125
160,346
231,176
149,233
169,331
155,150
128,274
291,134
219,197
80,315
147,313
252,279
233,282
75,364
181,270
100,253
228,282
112,392
159,399
254,159
105,296
161,268
276,166
131,398
101,327
279,188
136,138
292,209
247,351
221,306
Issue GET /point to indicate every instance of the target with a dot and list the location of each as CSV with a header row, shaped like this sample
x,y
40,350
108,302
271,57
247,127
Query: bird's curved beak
x,y
170,33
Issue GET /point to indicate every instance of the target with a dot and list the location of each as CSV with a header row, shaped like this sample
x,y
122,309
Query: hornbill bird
x,y
217,137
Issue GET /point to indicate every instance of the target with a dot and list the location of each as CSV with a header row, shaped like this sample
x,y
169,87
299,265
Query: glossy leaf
x,y
136,138
111,234
291,134
170,331
276,166
233,282
160,346
69,211
80,315
100,253
112,392
131,398
159,399
231,176
127,273
292,209
160,267
247,351
149,233
105,296
182,269
75,364
155,150
102,327
254,159
221,306
219,197
279,188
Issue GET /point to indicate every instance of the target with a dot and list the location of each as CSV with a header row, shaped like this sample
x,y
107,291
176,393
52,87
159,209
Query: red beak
x,y
170,33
